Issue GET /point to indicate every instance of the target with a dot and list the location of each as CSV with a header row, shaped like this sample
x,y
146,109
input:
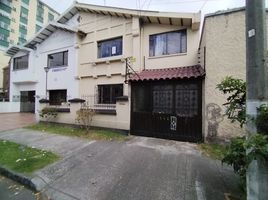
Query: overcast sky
x,y
207,6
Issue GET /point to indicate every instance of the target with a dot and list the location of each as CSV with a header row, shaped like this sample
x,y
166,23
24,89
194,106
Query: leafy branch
x,y
236,101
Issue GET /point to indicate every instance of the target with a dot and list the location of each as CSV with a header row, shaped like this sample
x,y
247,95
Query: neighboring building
x,y
6,82
223,53
19,21
163,97
54,46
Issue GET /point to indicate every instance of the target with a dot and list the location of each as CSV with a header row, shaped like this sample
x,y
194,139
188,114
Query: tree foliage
x,y
236,101
241,152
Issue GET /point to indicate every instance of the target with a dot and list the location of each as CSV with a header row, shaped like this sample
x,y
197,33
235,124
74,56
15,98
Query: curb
x,y
26,181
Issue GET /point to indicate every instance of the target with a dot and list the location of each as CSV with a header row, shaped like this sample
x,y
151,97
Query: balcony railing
x,y
92,103
6,2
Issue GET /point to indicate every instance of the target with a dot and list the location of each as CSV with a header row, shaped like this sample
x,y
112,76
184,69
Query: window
x,y
56,97
3,37
168,43
110,48
25,1
107,94
58,59
37,28
20,62
50,17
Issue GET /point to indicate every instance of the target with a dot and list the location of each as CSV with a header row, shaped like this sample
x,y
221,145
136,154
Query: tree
x,y
236,101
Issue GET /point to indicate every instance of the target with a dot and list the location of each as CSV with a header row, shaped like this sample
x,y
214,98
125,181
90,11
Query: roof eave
x,y
195,18
12,50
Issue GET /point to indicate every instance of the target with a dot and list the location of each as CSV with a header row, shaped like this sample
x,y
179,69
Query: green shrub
x,y
85,117
262,120
48,113
241,152
236,101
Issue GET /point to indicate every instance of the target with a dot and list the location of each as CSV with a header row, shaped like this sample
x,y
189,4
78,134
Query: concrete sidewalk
x,y
141,168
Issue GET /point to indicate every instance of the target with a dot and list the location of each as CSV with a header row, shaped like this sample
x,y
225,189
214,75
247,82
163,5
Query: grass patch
x,y
214,151
23,159
78,132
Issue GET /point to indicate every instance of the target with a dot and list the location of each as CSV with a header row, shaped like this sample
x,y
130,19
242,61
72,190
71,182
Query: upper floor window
x,y
58,59
168,43
20,62
107,94
50,17
108,48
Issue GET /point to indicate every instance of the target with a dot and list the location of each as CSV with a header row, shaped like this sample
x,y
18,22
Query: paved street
x,y
141,168
9,190
10,121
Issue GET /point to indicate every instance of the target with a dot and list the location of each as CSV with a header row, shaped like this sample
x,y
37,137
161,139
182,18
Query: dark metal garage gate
x,y
170,109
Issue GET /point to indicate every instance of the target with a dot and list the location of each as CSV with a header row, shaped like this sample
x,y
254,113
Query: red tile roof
x,y
194,71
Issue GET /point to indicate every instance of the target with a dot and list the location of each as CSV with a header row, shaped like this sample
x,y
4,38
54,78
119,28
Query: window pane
x,y
20,62
174,42
161,45
110,48
58,59
107,94
168,43
65,61
183,42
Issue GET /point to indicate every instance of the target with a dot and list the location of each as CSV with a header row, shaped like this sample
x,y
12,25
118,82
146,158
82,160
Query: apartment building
x,y
137,69
19,21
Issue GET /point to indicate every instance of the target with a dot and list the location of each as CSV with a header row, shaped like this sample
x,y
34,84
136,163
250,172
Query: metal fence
x,y
91,101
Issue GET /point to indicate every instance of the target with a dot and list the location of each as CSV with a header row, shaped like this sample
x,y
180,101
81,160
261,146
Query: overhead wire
x,y
183,2
148,5
203,5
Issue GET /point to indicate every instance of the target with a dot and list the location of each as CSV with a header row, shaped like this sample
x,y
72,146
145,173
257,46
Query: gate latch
x,y
173,123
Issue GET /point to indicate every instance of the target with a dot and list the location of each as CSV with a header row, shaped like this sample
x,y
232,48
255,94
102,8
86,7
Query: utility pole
x,y
257,90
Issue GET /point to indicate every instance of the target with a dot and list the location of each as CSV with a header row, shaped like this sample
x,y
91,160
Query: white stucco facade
x,y
34,77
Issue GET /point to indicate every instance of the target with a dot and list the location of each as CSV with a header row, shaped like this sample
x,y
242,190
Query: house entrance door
x,y
167,109
27,101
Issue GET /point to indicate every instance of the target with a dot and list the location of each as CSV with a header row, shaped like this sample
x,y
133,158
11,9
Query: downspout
x,y
142,57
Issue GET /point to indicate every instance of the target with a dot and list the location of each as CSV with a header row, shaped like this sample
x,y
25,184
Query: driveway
x,y
10,121
138,169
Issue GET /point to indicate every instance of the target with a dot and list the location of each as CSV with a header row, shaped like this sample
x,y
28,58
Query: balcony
x,y
4,31
4,43
5,7
39,18
24,20
7,2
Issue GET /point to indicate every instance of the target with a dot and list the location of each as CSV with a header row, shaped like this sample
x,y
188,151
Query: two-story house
x,y
137,69
46,66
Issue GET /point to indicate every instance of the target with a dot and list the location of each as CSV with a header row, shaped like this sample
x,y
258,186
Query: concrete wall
x,y
224,39
8,107
119,121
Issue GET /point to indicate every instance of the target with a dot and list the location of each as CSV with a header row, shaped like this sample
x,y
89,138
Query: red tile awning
x,y
194,71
